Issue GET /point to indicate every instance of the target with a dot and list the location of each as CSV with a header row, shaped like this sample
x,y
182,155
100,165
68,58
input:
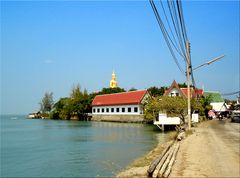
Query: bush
x,y
54,115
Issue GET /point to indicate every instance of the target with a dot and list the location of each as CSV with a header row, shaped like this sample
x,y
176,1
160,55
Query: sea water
x,y
56,148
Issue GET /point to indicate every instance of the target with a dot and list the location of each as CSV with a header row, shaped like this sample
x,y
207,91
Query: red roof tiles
x,y
133,97
194,93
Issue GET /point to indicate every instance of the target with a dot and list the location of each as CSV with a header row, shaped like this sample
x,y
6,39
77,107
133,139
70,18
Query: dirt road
x,y
213,150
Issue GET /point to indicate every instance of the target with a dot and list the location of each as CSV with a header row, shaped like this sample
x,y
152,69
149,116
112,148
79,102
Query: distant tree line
x,y
78,103
76,106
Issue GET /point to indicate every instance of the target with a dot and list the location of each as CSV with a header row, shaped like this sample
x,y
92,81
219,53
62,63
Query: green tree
x,y
59,105
78,104
76,92
197,106
182,85
172,106
205,101
151,108
111,90
59,109
132,89
155,91
47,103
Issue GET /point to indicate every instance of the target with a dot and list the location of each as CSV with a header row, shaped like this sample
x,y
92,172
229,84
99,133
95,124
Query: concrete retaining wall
x,y
118,118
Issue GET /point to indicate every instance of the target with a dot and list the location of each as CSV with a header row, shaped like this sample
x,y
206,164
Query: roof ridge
x,y
132,97
121,92
174,84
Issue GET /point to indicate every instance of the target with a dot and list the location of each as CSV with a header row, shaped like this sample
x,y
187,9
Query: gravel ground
x,y
213,150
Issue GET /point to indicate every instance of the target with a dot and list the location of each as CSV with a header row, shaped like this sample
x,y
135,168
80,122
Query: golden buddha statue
x,y
113,82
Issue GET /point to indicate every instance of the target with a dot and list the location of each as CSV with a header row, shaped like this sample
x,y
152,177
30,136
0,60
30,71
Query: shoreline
x,y
140,165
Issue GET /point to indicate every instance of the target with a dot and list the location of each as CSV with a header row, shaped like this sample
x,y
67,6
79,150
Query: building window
x,y
129,109
102,109
94,110
123,109
135,109
98,110
112,109
107,110
117,109
177,94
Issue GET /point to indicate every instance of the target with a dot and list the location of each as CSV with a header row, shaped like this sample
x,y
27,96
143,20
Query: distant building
x,y
121,107
175,90
216,100
113,81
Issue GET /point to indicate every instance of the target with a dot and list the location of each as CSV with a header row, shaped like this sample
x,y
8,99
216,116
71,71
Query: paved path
x,y
212,151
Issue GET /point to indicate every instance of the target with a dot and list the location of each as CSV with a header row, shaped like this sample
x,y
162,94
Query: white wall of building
x,y
174,92
163,119
102,110
218,106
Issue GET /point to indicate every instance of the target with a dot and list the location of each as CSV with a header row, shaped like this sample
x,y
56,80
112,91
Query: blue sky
x,y
49,46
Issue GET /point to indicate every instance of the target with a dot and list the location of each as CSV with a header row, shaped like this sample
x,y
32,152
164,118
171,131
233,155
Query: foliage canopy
x,y
172,106
46,103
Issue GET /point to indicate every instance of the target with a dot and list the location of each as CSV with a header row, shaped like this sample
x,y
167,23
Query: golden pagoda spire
x,y
113,82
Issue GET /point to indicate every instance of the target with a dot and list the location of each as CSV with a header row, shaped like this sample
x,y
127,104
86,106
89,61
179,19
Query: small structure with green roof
x,y
216,100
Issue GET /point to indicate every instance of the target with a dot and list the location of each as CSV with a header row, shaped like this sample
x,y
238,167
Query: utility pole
x,y
189,70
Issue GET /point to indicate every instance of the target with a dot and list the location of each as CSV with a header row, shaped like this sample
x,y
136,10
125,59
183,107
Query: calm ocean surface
x,y
49,148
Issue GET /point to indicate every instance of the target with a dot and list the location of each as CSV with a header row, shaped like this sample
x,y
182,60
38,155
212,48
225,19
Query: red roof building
x,y
194,92
125,103
125,98
175,90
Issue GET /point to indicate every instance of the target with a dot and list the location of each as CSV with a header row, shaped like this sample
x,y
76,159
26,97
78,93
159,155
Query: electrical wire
x,y
165,34
173,36
173,14
181,22
232,93
181,41
184,26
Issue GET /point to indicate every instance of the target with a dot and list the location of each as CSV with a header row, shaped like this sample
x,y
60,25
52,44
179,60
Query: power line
x,y
169,26
173,14
232,93
184,33
181,12
165,34
181,40
181,22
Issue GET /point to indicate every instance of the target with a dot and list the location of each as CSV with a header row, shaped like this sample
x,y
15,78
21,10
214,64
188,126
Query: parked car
x,y
235,116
